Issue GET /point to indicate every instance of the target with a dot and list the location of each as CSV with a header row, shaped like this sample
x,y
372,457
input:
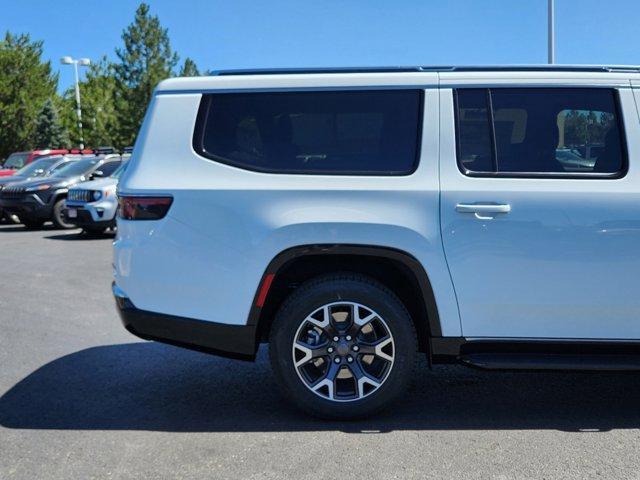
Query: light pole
x,y
84,62
551,28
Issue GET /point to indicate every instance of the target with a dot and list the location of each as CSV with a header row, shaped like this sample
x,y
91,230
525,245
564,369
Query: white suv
x,y
488,216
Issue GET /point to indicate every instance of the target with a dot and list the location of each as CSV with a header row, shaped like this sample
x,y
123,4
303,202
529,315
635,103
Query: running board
x,y
551,361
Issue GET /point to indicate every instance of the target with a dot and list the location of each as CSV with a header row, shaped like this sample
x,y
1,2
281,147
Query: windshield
x,y
38,168
16,160
81,167
119,170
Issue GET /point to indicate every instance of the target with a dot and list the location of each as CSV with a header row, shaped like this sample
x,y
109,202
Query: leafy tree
x,y
146,59
26,82
100,122
49,131
189,69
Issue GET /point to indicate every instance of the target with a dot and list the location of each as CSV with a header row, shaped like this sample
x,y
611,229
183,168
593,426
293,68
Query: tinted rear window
x,y
355,132
539,130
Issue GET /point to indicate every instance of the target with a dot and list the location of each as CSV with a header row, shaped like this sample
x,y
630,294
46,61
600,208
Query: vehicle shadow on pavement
x,y
78,235
18,228
149,386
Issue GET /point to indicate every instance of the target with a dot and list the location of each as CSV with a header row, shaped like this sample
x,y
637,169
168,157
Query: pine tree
x,y
49,132
146,59
100,123
26,82
189,69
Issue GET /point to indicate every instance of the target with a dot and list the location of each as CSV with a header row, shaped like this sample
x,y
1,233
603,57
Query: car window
x,y
355,132
37,167
109,167
16,160
120,170
543,130
60,166
79,167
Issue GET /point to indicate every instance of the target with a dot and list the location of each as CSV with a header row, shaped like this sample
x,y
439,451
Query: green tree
x,y
189,69
49,131
26,82
146,59
100,123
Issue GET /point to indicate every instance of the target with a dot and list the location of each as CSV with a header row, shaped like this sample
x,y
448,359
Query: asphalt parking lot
x,y
82,398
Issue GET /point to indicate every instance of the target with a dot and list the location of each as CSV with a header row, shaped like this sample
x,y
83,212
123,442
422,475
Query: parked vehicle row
x,y
17,160
39,191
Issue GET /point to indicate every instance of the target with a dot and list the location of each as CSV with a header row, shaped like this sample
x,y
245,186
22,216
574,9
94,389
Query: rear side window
x,y
372,132
16,160
545,131
109,167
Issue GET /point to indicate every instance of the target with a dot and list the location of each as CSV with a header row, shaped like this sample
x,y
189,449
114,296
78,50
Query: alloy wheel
x,y
343,351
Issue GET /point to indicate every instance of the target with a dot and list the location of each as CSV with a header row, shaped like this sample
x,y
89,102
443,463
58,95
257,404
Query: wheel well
x,y
394,272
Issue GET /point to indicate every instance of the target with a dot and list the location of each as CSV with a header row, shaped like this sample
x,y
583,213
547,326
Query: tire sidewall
x,y
313,296
58,218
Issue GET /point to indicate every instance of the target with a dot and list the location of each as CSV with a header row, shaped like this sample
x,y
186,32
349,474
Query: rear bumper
x,y
96,213
234,341
85,218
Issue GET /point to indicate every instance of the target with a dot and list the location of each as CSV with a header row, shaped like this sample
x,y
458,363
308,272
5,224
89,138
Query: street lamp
x,y
83,62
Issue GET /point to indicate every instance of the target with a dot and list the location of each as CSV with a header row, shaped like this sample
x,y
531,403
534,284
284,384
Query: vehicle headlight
x,y
97,195
38,188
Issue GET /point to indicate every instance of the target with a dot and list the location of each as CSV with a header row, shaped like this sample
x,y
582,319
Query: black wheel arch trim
x,y
408,260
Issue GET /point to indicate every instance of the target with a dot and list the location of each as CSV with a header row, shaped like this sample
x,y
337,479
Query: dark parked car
x,y
40,168
37,200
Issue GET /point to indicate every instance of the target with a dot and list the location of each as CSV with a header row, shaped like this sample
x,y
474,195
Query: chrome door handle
x,y
483,211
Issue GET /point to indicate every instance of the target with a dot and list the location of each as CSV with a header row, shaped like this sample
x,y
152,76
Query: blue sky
x,y
302,33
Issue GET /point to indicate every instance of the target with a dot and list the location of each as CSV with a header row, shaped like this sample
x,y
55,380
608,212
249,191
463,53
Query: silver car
x,y
92,205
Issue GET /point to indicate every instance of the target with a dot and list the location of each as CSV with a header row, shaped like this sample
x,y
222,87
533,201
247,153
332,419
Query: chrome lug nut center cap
x,y
342,348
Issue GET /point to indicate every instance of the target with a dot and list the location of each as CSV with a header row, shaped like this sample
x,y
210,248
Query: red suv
x,y
17,160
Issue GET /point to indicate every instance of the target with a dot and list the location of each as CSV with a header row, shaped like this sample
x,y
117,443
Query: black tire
x,y
94,230
32,224
58,218
338,288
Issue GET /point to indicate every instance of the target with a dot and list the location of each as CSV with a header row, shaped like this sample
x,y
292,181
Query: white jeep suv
x,y
353,218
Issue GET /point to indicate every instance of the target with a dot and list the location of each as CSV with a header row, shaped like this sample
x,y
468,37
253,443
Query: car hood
x,y
55,182
99,184
12,179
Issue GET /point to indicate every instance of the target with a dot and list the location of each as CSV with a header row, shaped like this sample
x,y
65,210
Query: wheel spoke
x,y
310,353
362,378
361,321
366,381
380,345
328,380
324,323
376,348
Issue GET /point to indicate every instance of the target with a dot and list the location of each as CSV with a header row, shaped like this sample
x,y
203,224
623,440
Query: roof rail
x,y
442,68
284,71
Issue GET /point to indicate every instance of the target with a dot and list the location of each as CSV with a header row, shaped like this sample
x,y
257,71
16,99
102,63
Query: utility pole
x,y
551,28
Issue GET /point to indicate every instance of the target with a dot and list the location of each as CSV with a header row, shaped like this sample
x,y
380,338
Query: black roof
x,y
399,69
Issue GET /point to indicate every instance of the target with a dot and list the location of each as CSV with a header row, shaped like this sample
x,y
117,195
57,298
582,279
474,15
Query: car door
x,y
542,240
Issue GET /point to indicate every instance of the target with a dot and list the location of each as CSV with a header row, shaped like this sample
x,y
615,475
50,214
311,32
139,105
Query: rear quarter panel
x,y
205,259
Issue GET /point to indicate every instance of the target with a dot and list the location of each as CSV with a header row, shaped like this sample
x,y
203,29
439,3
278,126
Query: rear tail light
x,y
143,208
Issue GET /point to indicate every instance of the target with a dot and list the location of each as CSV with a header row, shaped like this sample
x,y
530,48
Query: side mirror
x,y
97,174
